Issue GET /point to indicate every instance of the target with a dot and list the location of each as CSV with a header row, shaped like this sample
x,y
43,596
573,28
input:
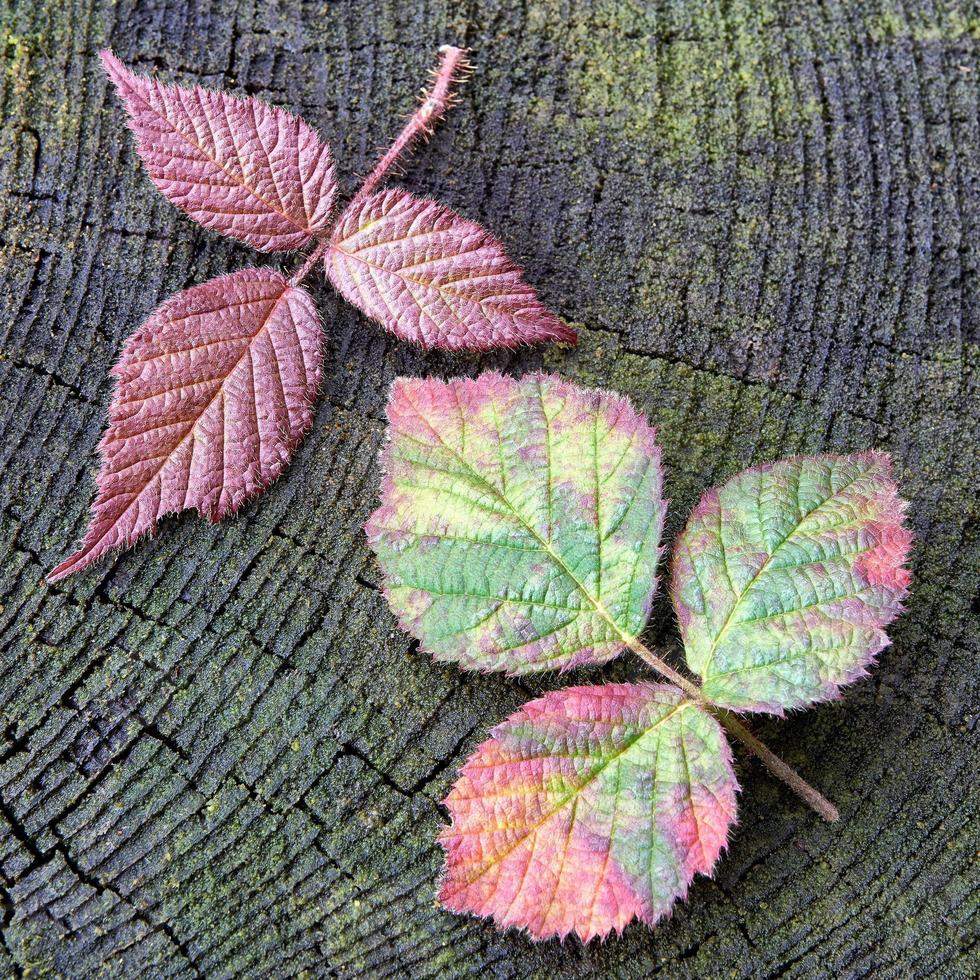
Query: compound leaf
x,y
238,166
786,577
588,807
520,520
213,393
430,276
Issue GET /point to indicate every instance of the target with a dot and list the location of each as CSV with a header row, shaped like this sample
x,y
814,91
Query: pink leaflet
x,y
213,394
239,166
432,277
587,807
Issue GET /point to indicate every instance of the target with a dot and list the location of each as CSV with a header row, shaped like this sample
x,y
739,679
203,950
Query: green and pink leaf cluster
x,y
519,531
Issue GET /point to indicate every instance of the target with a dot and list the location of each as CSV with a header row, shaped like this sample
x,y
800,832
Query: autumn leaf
x,y
518,530
430,276
520,521
238,166
256,173
786,577
213,393
587,808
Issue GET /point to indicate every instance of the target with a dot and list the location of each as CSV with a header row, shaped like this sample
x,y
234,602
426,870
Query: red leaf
x,y
213,394
430,276
587,807
238,166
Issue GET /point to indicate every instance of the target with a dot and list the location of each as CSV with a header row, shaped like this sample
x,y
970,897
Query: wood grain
x,y
218,756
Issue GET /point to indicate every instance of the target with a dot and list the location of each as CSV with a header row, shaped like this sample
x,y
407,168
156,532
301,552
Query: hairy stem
x,y
434,105
435,102
665,670
311,260
778,768
769,759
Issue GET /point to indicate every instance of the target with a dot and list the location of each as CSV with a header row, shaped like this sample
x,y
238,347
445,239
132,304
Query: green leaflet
x,y
786,576
520,521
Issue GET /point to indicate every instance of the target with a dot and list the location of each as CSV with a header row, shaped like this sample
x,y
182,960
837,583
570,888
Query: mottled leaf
x,y
588,807
520,520
213,393
430,276
786,577
238,166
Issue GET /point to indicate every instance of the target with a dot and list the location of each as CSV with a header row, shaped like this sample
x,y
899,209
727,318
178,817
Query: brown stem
x,y
770,760
434,105
778,768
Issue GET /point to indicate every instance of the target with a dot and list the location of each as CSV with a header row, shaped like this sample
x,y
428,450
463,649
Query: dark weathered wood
x,y
218,756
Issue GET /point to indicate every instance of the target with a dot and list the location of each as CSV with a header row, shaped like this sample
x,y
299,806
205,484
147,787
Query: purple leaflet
x,y
239,166
430,276
213,393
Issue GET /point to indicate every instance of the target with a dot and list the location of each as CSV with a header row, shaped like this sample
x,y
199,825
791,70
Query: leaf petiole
x,y
434,105
777,767
310,261
769,759
435,102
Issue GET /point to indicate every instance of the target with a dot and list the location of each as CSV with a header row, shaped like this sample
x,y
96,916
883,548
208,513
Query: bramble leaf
x,y
237,165
589,806
430,276
213,393
520,520
786,577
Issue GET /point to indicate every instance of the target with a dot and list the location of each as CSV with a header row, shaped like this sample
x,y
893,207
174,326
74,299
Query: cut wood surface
x,y
218,755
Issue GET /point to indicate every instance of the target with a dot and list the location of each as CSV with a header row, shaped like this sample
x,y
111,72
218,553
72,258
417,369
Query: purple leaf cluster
x,y
214,391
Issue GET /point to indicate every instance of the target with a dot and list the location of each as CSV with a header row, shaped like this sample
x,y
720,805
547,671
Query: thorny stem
x,y
434,105
435,102
769,759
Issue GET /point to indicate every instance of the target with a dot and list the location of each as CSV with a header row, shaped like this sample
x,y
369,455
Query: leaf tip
x,y
88,554
63,569
563,333
114,68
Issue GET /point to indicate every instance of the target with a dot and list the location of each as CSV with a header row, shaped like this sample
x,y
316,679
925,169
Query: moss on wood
x,y
218,756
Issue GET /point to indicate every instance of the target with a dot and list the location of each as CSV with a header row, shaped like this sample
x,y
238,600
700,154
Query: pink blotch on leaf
x,y
520,851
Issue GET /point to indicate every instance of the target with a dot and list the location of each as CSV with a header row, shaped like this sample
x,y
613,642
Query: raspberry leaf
x,y
520,520
238,166
786,577
588,807
432,277
213,393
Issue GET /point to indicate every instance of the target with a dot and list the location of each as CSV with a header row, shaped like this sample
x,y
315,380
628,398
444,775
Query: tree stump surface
x,y
218,755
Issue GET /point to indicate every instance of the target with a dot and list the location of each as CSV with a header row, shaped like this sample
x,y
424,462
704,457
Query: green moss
x,y
684,82
893,23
